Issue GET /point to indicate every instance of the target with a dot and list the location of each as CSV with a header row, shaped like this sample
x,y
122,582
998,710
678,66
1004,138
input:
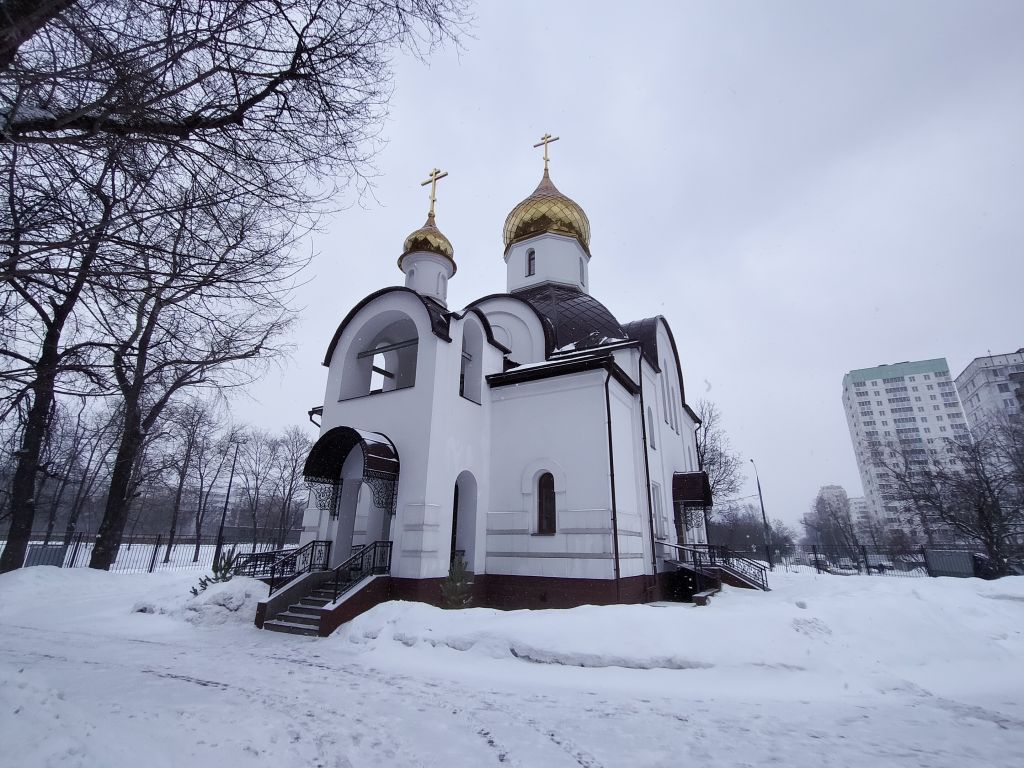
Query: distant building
x,y
991,386
864,521
913,405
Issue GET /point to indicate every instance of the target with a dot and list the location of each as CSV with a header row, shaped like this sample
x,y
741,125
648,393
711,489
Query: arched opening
x,y
464,512
546,513
385,361
650,427
352,476
531,262
471,367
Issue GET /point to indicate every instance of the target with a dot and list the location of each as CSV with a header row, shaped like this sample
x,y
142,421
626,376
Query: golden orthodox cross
x,y
546,139
434,176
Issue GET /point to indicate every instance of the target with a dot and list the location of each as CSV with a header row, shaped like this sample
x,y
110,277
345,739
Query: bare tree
x,y
830,522
210,295
715,455
258,465
741,529
47,201
280,87
99,101
975,487
211,460
293,448
187,422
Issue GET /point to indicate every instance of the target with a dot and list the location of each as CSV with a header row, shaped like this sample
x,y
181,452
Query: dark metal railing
x,y
282,566
257,565
751,569
370,559
709,556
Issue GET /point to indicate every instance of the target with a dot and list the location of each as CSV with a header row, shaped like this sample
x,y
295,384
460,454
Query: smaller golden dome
x,y
547,210
430,239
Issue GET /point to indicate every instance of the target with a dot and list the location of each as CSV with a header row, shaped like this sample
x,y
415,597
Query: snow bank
x,y
818,623
46,596
233,600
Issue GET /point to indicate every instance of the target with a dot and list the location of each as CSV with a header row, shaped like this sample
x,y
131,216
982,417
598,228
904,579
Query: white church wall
x,y
631,506
458,442
556,425
557,259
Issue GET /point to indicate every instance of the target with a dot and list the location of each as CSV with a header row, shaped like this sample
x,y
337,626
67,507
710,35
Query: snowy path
x,y
82,685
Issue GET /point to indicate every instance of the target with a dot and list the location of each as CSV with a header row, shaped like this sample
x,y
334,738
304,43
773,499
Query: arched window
x,y
664,397
675,410
650,427
546,503
582,279
531,262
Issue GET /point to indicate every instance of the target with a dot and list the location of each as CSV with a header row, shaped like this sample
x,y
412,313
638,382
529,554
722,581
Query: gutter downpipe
x,y
647,467
611,476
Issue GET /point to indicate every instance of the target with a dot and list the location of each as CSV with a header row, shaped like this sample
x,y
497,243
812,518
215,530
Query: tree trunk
x,y
51,519
115,514
23,486
174,518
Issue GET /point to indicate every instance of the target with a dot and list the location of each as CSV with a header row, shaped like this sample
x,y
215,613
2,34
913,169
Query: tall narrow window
x,y
660,526
582,279
546,503
650,427
531,262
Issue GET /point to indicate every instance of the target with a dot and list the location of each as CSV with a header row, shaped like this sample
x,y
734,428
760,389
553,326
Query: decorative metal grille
x,y
326,493
382,486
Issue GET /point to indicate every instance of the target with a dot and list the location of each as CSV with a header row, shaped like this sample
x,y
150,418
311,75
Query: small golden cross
x,y
434,176
546,139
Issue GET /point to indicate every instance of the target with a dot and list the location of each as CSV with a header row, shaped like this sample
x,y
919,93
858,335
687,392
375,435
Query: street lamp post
x,y
224,512
764,520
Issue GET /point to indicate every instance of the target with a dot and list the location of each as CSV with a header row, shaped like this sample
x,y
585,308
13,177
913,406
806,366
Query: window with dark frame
x,y
531,262
546,503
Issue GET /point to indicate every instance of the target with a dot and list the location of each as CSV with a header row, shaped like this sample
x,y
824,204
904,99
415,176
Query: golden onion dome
x,y
430,239
547,210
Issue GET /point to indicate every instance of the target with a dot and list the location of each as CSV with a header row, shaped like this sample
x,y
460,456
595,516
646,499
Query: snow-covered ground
x,y
112,670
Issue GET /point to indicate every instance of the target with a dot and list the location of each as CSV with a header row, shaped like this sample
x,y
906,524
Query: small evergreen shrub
x,y
223,569
457,589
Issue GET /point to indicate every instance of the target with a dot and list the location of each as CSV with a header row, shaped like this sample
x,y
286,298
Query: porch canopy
x,y
691,489
322,470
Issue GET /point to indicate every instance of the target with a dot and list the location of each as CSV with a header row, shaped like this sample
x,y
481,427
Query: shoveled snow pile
x,y
829,624
113,596
233,600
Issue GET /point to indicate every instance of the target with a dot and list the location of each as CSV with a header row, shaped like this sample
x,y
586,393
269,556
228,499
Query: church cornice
x,y
565,368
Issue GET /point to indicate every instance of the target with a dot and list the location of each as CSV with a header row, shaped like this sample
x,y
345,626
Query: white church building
x,y
531,433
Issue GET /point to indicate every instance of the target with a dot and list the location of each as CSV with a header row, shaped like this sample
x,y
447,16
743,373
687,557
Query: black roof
x,y
576,319
646,332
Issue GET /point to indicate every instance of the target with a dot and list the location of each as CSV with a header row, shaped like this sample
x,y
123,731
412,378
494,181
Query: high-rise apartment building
x,y
992,386
912,406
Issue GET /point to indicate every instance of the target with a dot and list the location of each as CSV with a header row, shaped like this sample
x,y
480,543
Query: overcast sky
x,y
800,188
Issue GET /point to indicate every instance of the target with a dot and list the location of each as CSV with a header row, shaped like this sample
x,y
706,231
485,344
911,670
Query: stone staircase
x,y
309,601
303,617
